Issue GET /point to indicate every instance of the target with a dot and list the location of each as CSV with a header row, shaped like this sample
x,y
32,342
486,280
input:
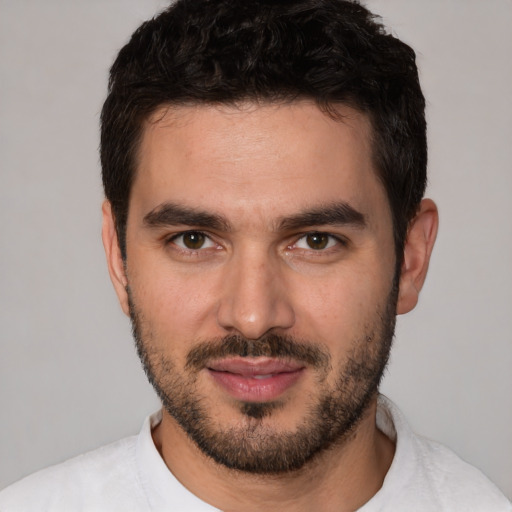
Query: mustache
x,y
269,345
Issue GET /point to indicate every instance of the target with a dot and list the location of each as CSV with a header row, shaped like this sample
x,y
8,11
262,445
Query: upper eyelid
x,y
185,231
174,236
341,238
292,239
177,234
340,244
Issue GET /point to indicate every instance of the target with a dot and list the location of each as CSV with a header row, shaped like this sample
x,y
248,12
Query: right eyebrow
x,y
172,214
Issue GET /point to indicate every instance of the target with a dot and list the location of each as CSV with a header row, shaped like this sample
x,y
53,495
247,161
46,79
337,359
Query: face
x,y
260,277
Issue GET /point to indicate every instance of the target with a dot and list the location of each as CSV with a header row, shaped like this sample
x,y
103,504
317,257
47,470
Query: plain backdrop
x,y
69,376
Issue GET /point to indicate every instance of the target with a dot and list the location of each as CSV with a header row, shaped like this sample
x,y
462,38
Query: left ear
x,y
419,243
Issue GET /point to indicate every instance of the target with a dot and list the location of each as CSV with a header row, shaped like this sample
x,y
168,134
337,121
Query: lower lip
x,y
250,389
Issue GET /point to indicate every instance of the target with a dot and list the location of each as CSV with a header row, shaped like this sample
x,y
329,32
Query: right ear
x,y
116,267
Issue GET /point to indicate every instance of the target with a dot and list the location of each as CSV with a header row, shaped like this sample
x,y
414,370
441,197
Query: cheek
x,y
176,306
341,308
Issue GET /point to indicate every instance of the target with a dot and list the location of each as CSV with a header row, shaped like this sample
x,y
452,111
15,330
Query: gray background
x,y
69,376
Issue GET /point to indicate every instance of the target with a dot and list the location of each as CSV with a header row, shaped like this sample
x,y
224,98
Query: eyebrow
x,y
172,214
336,214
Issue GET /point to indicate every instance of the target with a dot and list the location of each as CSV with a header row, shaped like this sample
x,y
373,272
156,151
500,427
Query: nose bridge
x,y
254,298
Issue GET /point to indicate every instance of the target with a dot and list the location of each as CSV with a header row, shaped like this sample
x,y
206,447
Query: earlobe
x,y
421,236
115,261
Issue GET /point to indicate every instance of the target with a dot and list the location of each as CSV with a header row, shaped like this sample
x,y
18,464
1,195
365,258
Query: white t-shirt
x,y
130,476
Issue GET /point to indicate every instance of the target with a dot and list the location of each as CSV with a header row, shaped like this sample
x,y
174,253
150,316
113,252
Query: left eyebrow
x,y
337,214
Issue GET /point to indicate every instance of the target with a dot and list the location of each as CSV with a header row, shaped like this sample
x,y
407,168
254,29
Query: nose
x,y
255,298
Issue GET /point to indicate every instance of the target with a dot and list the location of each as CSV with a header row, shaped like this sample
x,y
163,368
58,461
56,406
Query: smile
x,y
255,380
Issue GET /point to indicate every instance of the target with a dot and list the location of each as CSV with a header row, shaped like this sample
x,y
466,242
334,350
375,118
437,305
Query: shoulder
x,y
427,476
104,476
456,483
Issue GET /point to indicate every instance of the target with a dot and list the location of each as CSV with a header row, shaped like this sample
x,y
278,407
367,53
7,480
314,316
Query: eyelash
x,y
172,240
338,240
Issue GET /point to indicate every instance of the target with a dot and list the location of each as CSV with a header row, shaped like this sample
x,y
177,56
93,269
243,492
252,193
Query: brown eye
x,y
317,241
192,240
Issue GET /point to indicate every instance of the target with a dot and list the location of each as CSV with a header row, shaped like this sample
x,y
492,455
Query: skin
x,y
256,165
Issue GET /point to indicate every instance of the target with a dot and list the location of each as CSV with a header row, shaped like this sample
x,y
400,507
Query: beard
x,y
254,445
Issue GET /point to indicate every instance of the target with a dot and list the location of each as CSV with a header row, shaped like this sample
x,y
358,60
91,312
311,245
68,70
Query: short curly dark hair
x,y
226,51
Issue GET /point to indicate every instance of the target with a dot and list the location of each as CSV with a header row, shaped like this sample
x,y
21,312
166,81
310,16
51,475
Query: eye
x,y
317,241
192,240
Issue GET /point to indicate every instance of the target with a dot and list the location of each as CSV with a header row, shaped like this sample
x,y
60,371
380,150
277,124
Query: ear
x,y
421,236
115,261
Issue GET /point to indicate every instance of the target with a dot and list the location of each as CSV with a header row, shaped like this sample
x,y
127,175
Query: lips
x,y
255,379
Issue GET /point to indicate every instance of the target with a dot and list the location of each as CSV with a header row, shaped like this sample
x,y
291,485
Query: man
x,y
264,166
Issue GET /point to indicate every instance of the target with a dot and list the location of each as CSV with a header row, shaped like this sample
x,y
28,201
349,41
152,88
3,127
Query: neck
x,y
342,478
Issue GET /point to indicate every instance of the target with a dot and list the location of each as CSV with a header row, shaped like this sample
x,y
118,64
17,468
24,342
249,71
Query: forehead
x,y
255,157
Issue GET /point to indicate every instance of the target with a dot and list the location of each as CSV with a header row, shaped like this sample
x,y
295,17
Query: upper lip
x,y
248,367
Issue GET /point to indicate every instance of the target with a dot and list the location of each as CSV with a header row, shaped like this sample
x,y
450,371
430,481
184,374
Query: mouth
x,y
258,379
